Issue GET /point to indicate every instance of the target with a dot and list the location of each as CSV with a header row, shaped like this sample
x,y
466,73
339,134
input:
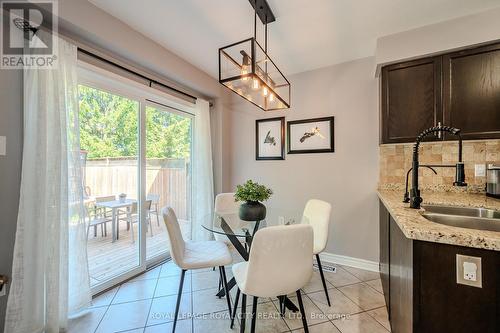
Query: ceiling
x,y
307,34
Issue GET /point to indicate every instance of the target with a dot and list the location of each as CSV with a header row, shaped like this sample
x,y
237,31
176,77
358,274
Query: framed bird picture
x,y
270,139
311,136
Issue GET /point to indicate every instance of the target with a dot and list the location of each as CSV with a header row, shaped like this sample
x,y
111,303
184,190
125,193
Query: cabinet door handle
x,y
439,134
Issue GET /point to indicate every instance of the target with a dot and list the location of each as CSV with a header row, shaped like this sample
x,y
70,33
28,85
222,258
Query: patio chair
x,y
155,203
132,216
99,216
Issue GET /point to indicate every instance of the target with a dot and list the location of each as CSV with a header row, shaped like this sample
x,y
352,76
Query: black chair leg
x,y
224,283
323,279
220,283
243,312
233,315
254,314
179,294
302,312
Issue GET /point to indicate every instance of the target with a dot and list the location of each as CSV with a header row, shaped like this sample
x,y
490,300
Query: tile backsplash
x,y
395,161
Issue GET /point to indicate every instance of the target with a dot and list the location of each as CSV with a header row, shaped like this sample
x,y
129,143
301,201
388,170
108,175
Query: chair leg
x,y
254,314
150,224
243,312
132,231
157,216
179,294
224,283
302,312
233,315
220,283
323,279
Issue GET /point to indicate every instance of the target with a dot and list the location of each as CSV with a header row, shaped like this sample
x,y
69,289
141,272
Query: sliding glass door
x,y
137,150
168,174
109,140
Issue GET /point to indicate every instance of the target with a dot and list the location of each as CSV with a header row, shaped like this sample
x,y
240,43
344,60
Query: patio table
x,y
114,205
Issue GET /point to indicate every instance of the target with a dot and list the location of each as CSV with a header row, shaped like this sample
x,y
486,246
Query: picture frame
x,y
308,136
270,139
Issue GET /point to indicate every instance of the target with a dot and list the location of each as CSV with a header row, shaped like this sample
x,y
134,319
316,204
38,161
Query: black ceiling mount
x,y
263,10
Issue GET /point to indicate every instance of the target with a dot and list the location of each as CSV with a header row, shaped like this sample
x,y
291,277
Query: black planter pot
x,y
252,211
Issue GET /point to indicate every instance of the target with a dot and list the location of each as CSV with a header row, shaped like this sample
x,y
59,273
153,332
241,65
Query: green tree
x,y
108,127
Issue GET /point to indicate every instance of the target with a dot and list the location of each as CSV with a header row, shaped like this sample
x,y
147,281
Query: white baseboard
x,y
349,261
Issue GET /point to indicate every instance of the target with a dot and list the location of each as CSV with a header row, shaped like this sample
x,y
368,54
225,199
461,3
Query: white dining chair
x,y
317,215
225,203
194,255
280,263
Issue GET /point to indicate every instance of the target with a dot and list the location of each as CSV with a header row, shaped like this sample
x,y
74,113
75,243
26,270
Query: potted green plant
x,y
252,195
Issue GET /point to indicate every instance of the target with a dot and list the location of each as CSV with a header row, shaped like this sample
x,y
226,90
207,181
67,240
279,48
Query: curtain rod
x,y
151,81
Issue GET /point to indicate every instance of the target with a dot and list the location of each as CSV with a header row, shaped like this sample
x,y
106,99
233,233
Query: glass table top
x,y
229,223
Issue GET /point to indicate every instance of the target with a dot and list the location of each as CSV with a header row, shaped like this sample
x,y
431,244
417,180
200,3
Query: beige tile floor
x,y
146,304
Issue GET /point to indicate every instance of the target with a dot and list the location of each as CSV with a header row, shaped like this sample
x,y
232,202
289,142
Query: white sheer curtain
x,y
50,276
202,170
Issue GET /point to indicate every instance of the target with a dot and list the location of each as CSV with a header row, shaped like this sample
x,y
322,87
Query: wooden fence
x,y
166,177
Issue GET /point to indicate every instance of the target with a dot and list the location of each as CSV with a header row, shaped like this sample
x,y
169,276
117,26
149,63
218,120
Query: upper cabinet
x,y
460,89
411,99
471,85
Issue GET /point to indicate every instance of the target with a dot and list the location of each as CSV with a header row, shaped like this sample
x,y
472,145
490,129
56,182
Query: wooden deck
x,y
107,259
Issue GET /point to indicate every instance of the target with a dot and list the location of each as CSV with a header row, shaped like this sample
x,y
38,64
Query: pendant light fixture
x,y
246,68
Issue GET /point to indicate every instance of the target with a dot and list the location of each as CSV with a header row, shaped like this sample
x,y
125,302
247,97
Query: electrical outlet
x,y
469,271
281,220
480,170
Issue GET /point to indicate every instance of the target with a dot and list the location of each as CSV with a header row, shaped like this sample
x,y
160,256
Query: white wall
x,y
437,38
346,178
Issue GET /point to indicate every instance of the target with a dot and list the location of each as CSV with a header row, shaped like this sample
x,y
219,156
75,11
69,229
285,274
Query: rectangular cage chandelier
x,y
246,68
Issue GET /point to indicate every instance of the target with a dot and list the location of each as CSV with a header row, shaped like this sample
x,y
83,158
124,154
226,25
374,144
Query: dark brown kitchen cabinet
x,y
471,85
411,99
384,252
459,89
419,280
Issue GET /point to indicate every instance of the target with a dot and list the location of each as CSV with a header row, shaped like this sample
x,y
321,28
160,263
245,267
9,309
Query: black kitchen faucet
x,y
415,198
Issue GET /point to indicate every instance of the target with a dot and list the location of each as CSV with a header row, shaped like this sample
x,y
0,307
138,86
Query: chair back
x,y
317,215
155,198
281,260
224,202
105,198
177,244
133,208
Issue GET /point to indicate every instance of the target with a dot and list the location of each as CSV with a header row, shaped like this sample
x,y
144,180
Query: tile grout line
x,y
107,308
151,304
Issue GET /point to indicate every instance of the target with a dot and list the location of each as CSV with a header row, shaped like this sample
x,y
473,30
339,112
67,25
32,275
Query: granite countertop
x,y
415,226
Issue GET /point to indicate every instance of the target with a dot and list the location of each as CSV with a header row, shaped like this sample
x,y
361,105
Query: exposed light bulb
x,y
271,97
255,84
244,71
265,91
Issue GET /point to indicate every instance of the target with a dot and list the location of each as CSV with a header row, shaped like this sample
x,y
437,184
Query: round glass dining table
x,y
240,233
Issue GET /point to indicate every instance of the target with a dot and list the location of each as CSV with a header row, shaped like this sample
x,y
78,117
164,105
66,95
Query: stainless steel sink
x,y
464,217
